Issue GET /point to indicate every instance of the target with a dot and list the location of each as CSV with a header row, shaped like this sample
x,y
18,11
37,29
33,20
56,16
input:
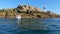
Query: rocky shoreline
x,y
27,11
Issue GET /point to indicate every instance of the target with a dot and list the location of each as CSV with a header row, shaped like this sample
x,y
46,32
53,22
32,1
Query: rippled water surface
x,y
30,26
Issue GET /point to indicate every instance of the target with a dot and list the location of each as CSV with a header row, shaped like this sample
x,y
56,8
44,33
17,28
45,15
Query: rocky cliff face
x,y
24,8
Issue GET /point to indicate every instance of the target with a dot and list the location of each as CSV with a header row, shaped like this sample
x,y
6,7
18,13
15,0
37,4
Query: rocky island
x,y
26,11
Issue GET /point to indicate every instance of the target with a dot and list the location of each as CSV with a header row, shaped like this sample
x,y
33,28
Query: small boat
x,y
18,17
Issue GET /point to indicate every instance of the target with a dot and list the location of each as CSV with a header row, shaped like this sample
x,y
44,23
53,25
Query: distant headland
x,y
27,11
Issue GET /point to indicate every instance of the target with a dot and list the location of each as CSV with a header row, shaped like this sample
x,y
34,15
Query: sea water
x,y
34,26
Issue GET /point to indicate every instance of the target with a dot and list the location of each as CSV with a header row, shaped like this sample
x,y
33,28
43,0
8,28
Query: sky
x,y
51,5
